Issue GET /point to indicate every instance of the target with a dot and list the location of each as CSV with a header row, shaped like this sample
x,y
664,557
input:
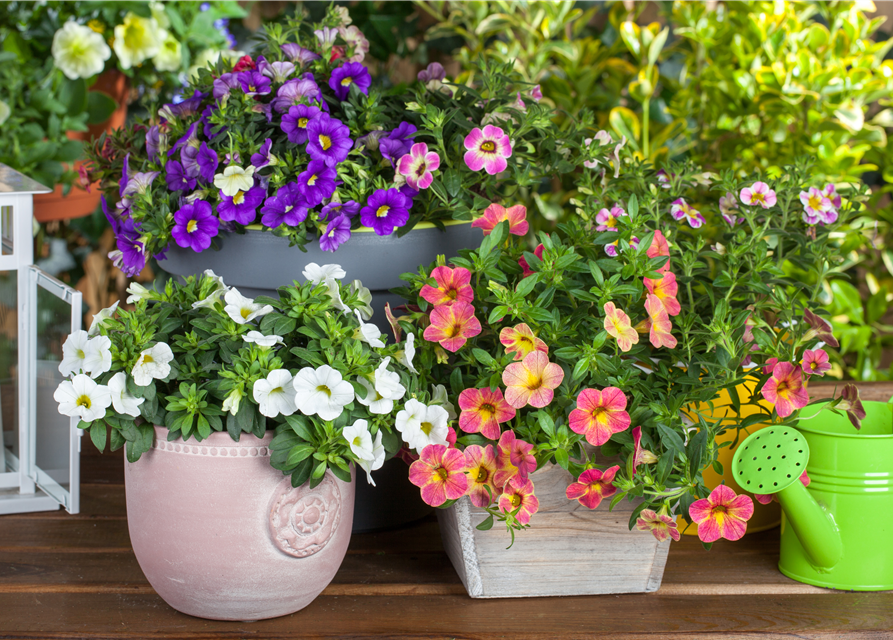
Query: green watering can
x,y
838,532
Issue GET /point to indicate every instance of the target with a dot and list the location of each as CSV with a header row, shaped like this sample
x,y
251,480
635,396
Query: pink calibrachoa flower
x,y
617,325
665,290
440,474
662,526
758,193
417,166
513,459
815,362
785,389
480,466
483,410
681,210
599,415
607,220
769,367
728,207
721,515
851,403
661,326
453,285
640,455
532,381
538,252
487,150
830,192
519,494
766,499
521,341
659,247
613,249
819,328
536,93
496,213
593,486
815,205
452,325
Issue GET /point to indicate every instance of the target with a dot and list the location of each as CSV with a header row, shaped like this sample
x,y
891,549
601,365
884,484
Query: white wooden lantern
x,y
39,465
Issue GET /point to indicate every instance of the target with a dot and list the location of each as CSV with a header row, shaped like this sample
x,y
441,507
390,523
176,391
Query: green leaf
x,y
298,453
486,524
98,434
73,94
100,107
526,285
300,425
302,474
453,182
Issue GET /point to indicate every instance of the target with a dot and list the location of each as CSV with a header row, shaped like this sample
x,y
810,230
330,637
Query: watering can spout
x,y
771,461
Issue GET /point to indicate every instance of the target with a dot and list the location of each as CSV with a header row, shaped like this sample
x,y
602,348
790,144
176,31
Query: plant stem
x,y
646,117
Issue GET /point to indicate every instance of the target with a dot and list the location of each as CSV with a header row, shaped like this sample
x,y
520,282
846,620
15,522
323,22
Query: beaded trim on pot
x,y
205,450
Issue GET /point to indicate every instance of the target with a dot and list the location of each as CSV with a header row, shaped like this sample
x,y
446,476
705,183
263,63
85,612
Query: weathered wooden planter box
x,y
569,550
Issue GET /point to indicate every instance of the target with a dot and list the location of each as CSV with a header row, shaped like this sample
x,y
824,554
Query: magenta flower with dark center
x,y
254,83
335,209
337,233
351,73
176,178
207,163
242,207
317,183
385,211
328,139
194,226
286,207
295,122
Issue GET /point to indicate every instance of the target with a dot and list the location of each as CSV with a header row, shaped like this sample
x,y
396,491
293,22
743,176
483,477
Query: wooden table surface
x,y
64,576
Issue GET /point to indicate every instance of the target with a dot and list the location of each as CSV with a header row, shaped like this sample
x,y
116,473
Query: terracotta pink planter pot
x,y
220,534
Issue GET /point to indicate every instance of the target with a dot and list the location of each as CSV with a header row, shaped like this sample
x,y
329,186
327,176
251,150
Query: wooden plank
x,y
875,391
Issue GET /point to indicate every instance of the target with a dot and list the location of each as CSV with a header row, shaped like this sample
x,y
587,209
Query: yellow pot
x,y
764,516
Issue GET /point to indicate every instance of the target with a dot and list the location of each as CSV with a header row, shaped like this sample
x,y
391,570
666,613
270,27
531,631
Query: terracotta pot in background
x,y
78,202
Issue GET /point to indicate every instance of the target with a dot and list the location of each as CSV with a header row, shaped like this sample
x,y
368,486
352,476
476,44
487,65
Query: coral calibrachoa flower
x,y
599,414
659,247
617,325
480,465
785,389
816,205
496,213
483,410
452,325
661,525
453,285
593,486
665,290
518,494
766,499
538,252
607,220
681,210
417,166
513,459
521,341
641,455
758,194
659,321
440,474
487,150
815,362
532,381
721,515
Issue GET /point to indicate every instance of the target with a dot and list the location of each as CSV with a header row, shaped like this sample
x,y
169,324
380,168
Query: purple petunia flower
x,y
189,159
254,83
263,157
299,54
277,71
286,207
328,140
129,256
225,84
409,193
155,140
182,109
317,183
294,92
242,207
351,73
122,182
190,138
398,143
434,71
194,226
207,162
295,122
335,209
176,177
208,127
337,233
385,211
139,183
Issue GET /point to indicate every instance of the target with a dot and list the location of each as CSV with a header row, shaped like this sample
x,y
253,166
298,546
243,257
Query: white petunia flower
x,y
378,454
137,40
369,333
322,392
74,353
243,310
377,403
137,292
233,400
317,274
359,439
422,425
153,364
169,56
123,402
406,356
365,297
214,296
439,397
157,9
256,337
98,358
82,398
78,51
234,179
101,317
275,394
386,389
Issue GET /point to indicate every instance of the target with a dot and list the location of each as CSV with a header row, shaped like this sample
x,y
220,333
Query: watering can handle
x,y
815,529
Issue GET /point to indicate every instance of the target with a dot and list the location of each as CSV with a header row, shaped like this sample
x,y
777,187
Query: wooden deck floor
x,y
64,576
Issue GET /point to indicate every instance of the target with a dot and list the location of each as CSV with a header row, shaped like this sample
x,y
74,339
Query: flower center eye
x,y
288,208
487,411
191,226
84,401
357,441
276,390
815,202
535,383
516,501
482,475
324,389
489,146
757,197
421,170
81,354
382,211
426,428
239,198
302,122
443,473
312,180
325,142
451,293
245,312
346,82
454,330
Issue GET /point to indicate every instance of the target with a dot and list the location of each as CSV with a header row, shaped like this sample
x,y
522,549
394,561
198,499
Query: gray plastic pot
x,y
257,263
